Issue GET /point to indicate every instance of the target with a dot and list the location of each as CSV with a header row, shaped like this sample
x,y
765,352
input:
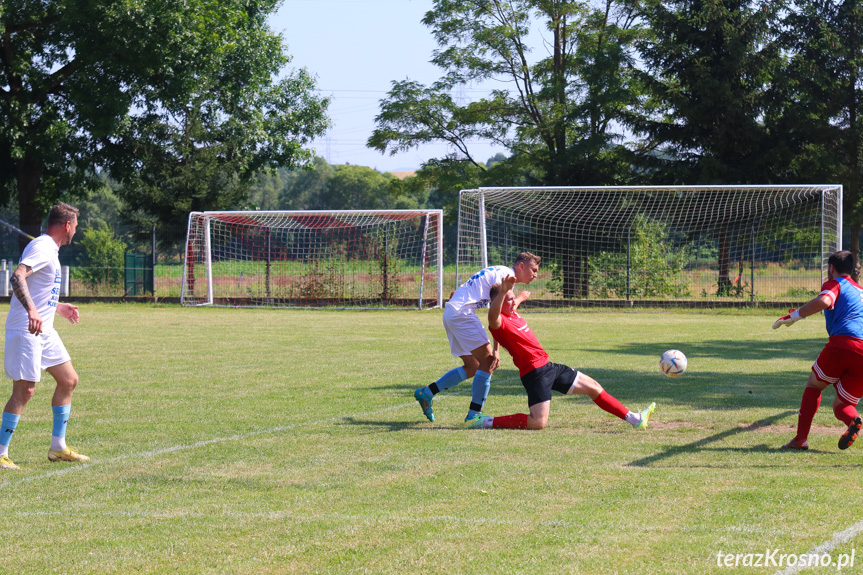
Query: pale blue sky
x,y
356,48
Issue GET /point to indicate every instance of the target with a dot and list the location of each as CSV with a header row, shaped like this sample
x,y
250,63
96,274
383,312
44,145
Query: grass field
x,y
260,441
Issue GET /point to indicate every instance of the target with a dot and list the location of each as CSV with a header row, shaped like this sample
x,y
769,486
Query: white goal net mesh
x,y
653,245
348,258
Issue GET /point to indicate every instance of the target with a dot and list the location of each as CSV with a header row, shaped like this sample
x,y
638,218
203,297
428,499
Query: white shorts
x,y
27,355
464,330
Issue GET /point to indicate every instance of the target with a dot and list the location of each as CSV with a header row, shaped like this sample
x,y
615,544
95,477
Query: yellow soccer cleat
x,y
6,463
68,454
645,416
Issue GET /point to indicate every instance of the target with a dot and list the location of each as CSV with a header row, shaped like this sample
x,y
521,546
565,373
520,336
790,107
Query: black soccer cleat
x,y
848,438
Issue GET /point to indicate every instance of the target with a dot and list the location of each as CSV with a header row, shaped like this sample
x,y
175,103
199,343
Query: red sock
x,y
514,421
607,402
808,406
845,412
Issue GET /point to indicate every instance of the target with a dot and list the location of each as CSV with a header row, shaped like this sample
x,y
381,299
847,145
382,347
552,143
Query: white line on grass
x,y
838,539
238,437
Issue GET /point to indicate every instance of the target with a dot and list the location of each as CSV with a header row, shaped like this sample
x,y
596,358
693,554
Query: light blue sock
x,y
61,418
450,379
7,428
481,385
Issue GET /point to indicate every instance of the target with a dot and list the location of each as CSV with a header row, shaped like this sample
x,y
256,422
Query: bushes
x,y
656,265
101,263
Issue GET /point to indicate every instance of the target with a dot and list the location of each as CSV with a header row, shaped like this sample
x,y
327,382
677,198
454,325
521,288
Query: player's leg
x,y
849,389
22,392
484,356
454,324
808,407
61,405
22,362
538,385
586,385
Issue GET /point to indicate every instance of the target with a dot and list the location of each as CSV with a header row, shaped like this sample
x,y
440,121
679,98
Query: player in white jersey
x,y
32,344
468,339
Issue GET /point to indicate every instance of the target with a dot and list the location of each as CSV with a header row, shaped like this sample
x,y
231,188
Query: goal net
x,y
346,258
653,245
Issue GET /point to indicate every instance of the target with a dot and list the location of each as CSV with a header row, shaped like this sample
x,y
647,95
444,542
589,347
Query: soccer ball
x,y
672,363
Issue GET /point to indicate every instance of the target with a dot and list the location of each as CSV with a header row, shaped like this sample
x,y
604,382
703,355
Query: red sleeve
x,y
831,289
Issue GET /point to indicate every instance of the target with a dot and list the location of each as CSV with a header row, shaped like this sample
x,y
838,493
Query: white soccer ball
x,y
672,363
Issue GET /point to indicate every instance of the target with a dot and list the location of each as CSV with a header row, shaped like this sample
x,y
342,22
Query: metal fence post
x,y
64,286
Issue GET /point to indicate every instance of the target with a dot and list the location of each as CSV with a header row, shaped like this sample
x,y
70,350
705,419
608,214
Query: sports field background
x,y
267,441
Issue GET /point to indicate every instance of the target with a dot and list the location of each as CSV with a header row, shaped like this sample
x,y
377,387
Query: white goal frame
x,y
304,259
583,232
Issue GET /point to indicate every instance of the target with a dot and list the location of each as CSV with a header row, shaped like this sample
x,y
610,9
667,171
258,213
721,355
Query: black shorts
x,y
552,376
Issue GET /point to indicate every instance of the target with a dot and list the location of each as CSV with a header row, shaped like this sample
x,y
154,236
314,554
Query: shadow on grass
x,y
702,444
727,348
388,425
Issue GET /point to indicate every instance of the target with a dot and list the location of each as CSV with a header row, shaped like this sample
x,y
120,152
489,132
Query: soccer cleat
x,y
476,422
68,454
645,416
425,404
794,444
6,463
848,438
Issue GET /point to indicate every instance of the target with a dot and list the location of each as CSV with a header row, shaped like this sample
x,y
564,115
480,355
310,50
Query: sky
x,y
356,49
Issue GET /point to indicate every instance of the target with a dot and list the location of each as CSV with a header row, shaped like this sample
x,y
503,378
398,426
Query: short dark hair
x,y
495,289
527,257
62,213
843,262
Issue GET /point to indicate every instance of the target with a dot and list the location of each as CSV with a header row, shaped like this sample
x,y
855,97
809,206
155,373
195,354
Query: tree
x,y
561,111
127,85
818,99
708,67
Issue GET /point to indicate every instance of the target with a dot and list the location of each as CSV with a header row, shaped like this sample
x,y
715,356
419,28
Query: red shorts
x,y
842,367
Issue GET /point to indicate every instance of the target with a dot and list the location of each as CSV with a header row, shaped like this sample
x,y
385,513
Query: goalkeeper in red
x,y
539,376
840,363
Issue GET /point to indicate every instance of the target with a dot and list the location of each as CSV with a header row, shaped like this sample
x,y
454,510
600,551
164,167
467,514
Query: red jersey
x,y
516,337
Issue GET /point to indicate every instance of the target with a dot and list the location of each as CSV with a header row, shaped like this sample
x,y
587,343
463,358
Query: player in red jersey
x,y
840,363
539,376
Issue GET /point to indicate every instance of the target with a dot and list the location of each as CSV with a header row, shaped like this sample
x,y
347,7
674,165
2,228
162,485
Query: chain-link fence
x,y
113,262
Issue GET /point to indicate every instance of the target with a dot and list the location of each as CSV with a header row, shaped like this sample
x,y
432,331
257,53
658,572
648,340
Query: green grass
x,y
260,441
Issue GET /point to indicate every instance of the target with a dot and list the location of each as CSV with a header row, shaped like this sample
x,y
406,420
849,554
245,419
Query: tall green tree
x,y
560,105
819,100
707,68
127,84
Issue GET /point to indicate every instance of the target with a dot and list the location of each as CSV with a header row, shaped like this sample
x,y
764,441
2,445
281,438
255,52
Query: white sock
x,y
4,450
487,424
58,443
633,418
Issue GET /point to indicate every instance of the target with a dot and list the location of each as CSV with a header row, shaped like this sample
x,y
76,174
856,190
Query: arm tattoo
x,y
19,287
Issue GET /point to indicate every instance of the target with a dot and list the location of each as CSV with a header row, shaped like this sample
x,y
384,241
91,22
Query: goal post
x,y
652,245
367,259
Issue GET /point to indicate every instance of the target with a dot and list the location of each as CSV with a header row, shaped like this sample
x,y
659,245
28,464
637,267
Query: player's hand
x,y
508,283
496,361
792,317
34,323
69,311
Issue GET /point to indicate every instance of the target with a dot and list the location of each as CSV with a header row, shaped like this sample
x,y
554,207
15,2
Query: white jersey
x,y
477,289
44,284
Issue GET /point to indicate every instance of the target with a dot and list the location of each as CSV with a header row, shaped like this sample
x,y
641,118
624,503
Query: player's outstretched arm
x,y
494,310
817,304
497,303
